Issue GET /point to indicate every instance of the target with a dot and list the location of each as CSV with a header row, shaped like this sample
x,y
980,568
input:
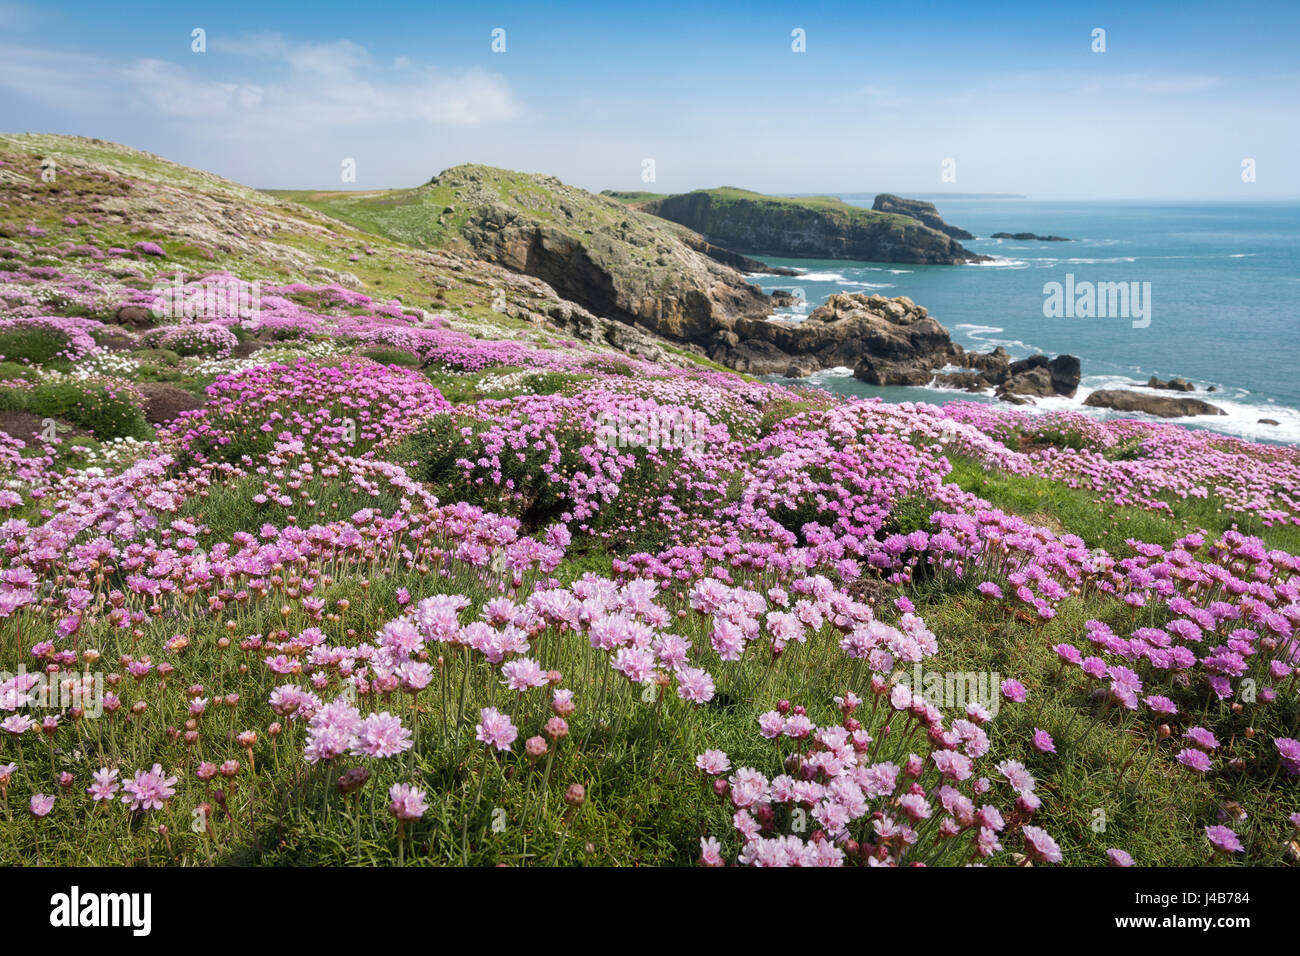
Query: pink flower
x,y
562,702
1041,847
1014,691
1043,742
1119,857
148,790
1193,758
105,785
1021,780
1161,706
1288,750
695,684
1223,839
406,802
41,804
381,735
495,729
771,724
713,762
523,673
711,852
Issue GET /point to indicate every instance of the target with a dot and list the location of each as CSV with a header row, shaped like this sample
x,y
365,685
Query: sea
x,y
1221,309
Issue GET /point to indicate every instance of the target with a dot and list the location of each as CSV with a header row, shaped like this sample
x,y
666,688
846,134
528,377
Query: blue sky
x,y
1011,93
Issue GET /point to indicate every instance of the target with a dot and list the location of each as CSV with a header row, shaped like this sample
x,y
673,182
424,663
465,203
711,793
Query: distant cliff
x,y
923,212
809,228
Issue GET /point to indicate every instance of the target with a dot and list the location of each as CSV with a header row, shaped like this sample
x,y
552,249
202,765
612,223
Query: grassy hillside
x,y
435,215
614,260
803,227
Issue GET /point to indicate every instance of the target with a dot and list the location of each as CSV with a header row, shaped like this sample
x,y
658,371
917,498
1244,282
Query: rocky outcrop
x,y
886,342
1163,406
923,212
894,336
611,260
817,228
1173,385
1029,237
1016,382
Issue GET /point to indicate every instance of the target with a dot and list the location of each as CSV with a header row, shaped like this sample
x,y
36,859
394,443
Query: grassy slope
x,y
386,270
417,216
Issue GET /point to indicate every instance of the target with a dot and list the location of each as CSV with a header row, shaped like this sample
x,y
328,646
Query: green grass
x,y
632,196
1157,820
106,411
1107,526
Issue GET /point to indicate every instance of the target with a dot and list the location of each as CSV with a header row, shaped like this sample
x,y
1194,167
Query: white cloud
x,y
307,86
70,81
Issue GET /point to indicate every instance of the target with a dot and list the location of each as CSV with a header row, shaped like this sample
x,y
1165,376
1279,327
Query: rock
x,y
1036,381
968,381
1162,406
616,262
824,228
923,212
1029,237
164,403
757,358
886,342
733,259
994,361
1173,385
798,371
1037,376
137,316
1066,371
1269,421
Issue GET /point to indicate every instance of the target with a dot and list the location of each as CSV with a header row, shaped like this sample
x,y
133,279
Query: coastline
x,y
1219,281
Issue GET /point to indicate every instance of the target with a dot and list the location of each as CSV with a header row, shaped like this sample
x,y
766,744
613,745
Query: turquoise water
x,y
1224,283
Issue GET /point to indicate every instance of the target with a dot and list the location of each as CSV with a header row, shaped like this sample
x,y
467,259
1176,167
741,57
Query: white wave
x,y
1241,418
839,371
821,277
999,262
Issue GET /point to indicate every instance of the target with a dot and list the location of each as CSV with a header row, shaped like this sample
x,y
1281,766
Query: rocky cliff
x,y
923,212
615,261
813,227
